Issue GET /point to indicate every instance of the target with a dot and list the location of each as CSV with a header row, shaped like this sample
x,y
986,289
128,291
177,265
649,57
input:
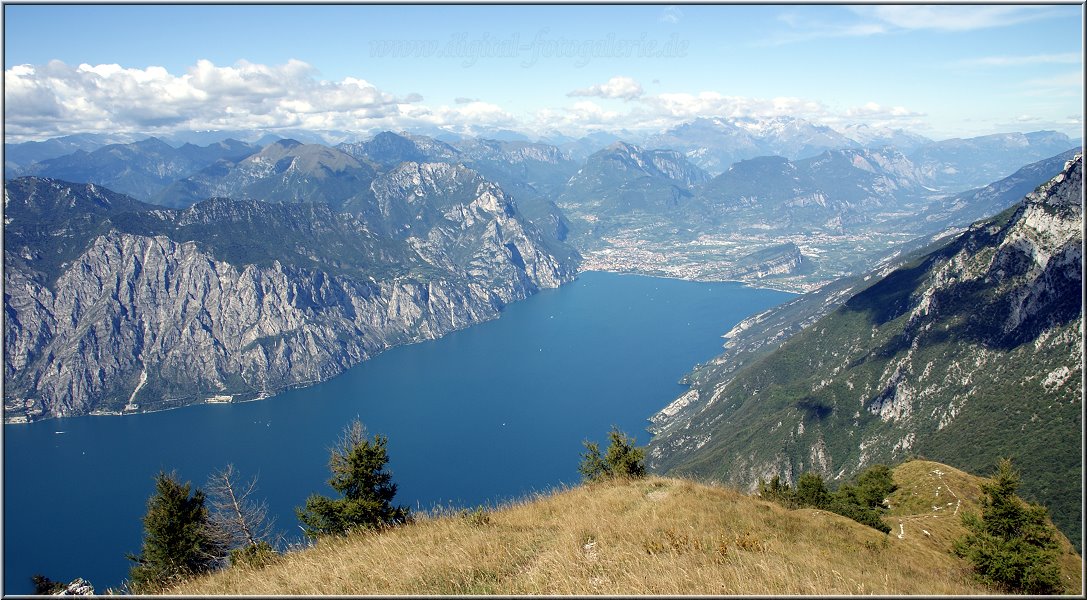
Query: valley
x,y
551,299
374,248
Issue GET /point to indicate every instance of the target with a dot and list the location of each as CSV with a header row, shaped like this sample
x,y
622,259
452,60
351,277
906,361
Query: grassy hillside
x,y
649,536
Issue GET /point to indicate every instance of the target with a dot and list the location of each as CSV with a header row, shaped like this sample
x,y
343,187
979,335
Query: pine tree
x,y
178,540
359,475
811,491
1012,545
43,586
622,459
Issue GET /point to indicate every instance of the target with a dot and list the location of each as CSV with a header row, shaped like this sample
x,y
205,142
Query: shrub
x,y
255,555
861,501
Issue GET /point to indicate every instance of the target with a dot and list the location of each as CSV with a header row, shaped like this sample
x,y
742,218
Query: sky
x,y
941,71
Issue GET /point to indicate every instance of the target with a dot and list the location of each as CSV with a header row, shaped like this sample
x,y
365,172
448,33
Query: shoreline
x,y
270,393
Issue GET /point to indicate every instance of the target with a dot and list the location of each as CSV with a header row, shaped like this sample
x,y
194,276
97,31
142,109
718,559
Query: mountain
x,y
835,190
968,352
881,137
21,155
623,178
581,148
715,143
387,150
533,173
662,536
967,207
283,171
115,306
794,138
958,164
712,144
140,169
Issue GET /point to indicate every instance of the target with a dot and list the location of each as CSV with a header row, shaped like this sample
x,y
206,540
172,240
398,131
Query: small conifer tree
x,y
1011,545
358,473
44,586
622,459
178,540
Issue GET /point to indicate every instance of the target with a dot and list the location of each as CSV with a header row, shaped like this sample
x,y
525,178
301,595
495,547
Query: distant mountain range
x,y
965,352
499,218
141,169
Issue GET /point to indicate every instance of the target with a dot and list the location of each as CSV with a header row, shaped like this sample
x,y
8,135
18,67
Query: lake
x,y
489,414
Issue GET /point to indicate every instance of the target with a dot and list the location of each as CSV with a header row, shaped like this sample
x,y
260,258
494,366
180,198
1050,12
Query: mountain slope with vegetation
x,y
117,306
966,354
647,536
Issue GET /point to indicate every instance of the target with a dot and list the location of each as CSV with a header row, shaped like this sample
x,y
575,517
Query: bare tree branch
x,y
239,519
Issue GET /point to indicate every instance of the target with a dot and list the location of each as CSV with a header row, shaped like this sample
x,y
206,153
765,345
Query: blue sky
x,y
942,71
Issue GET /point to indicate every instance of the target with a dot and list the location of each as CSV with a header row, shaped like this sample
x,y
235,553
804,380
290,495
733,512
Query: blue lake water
x,y
491,413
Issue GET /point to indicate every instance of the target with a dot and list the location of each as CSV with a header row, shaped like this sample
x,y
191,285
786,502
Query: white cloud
x,y
952,17
882,117
884,19
681,106
57,98
616,87
872,110
1068,58
803,29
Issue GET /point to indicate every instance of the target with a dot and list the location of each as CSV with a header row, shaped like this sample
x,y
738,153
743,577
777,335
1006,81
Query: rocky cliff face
x,y
781,259
161,308
966,354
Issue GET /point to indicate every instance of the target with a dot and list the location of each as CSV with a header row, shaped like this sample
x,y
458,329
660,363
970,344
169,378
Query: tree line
x,y
188,532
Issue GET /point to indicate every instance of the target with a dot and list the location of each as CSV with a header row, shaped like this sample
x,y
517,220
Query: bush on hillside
x,y
861,500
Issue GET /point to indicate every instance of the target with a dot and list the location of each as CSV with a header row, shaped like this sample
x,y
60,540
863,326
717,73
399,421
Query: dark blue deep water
x,y
490,413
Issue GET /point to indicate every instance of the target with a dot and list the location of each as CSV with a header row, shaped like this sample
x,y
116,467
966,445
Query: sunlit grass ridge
x,y
647,536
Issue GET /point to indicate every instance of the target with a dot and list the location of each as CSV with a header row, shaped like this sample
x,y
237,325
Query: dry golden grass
x,y
650,536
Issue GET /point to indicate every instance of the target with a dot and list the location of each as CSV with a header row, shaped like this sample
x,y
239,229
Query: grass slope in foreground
x,y
649,536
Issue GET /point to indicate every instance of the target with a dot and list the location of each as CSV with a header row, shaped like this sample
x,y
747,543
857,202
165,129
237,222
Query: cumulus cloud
x,y
617,87
57,98
708,103
465,118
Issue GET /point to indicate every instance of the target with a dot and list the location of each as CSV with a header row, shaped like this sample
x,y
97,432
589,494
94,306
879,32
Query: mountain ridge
x,y
647,536
909,363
